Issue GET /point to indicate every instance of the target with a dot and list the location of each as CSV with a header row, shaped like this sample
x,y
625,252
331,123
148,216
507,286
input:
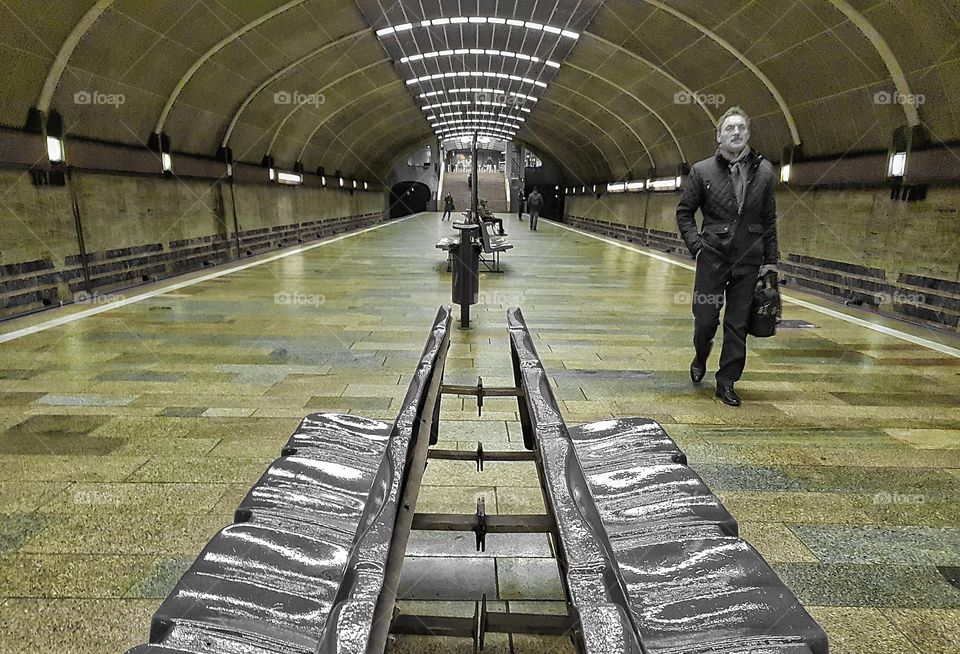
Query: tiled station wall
x,y
139,228
901,258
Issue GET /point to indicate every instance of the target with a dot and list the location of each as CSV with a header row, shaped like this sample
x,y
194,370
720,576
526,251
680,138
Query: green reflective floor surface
x,y
128,437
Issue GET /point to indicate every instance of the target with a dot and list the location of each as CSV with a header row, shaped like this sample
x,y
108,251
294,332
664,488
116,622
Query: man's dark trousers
x,y
719,283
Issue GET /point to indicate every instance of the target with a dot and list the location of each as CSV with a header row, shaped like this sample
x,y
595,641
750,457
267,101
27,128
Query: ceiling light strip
x,y
474,73
479,20
478,51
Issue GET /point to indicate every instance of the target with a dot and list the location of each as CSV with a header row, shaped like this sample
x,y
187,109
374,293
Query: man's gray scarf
x,y
738,175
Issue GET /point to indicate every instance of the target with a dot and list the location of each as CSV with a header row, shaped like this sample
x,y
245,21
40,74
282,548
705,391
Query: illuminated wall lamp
x,y
785,173
292,179
898,164
55,150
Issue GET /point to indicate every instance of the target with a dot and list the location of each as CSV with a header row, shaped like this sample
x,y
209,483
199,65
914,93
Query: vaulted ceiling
x,y
606,88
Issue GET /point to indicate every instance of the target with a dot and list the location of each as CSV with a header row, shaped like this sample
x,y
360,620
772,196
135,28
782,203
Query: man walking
x,y
534,204
448,207
734,191
520,200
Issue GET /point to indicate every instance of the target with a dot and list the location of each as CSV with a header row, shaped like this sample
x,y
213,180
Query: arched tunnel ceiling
x,y
325,81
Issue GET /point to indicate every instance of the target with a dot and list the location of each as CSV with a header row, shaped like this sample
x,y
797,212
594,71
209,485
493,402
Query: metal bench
x,y
651,558
493,245
447,243
310,563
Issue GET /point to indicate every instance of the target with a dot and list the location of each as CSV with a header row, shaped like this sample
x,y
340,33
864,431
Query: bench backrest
x,y
486,231
595,588
362,605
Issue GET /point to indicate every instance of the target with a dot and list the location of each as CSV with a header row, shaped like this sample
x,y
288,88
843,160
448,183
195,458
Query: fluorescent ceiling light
x,y
289,178
664,184
166,162
479,51
616,187
479,20
635,186
473,73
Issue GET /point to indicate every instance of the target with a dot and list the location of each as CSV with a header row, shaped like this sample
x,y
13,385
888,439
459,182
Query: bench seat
x,y
696,592
269,584
340,436
447,243
304,566
604,440
309,493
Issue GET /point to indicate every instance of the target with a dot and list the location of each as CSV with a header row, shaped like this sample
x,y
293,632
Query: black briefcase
x,y
765,307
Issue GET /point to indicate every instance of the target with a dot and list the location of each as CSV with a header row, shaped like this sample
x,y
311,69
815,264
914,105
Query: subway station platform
x,y
132,428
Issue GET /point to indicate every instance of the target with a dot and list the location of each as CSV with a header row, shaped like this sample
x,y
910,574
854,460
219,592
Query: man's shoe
x,y
728,396
697,372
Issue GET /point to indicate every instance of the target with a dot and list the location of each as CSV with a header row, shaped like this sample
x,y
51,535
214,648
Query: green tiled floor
x,y
128,438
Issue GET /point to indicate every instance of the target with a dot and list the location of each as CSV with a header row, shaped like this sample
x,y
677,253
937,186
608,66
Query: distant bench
x,y
493,246
304,568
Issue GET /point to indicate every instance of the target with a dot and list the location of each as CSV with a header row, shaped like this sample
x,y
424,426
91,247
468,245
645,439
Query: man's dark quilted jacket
x,y
745,237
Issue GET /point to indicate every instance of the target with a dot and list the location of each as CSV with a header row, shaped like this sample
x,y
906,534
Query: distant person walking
x,y
448,207
734,191
534,205
520,200
470,181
